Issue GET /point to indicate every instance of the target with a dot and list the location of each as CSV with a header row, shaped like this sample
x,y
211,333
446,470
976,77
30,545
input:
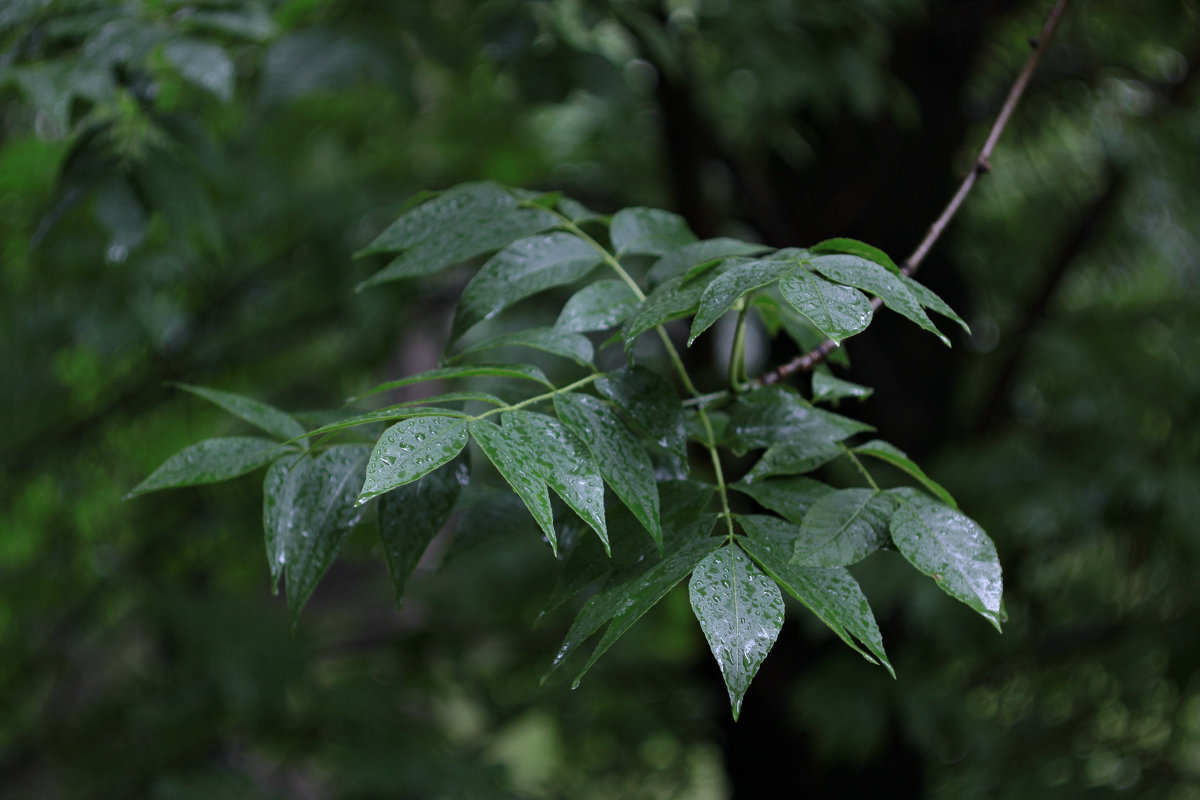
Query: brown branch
x,y
808,360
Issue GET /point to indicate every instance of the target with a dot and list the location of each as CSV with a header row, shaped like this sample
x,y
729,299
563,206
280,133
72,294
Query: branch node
x,y
982,166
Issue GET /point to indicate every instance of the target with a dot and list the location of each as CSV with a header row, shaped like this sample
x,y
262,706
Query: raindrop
x,y
117,253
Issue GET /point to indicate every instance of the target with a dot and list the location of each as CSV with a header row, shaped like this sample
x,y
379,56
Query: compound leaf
x,y
879,281
776,415
740,610
730,286
410,449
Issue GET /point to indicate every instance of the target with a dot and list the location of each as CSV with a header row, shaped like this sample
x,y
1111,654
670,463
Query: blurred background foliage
x,y
181,187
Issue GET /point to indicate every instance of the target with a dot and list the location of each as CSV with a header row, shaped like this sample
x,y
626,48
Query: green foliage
x,y
576,443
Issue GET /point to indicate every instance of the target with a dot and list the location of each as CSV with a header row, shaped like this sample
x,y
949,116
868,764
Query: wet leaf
x,y
740,610
951,548
210,461
597,307
511,457
730,286
856,248
563,463
574,346
893,455
776,415
469,220
931,301
621,459
526,372
836,311
673,298
843,527
412,515
648,230
679,262
268,418
829,592
793,459
879,281
826,388
650,405
412,448
308,511
790,497
523,268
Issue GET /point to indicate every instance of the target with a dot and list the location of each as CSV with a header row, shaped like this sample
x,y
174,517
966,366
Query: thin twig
x,y
808,360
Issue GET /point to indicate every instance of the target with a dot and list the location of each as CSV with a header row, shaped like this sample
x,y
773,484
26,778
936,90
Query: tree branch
x,y
807,361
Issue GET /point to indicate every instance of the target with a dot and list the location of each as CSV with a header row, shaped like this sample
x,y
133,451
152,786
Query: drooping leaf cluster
x,y
657,443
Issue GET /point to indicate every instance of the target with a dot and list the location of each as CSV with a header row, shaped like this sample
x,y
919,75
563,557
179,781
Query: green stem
x,y
539,398
859,465
737,355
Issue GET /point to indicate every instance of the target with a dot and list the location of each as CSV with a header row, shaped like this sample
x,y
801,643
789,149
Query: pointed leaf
x,y
620,458
879,281
929,300
512,459
829,592
951,548
893,455
679,262
210,461
411,516
265,417
790,497
522,371
597,307
776,415
843,528
673,298
403,411
308,511
648,230
574,346
856,248
563,463
466,221
523,268
826,387
836,311
723,292
649,403
412,448
740,611
793,459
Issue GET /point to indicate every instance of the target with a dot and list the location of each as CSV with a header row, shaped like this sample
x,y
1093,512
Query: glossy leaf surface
x,y
836,311
877,448
523,268
526,372
730,286
682,260
621,459
775,415
951,548
843,528
597,307
928,299
650,404
412,448
829,592
790,497
740,610
793,459
648,230
879,281
558,342
512,459
265,417
826,387
673,298
410,516
210,461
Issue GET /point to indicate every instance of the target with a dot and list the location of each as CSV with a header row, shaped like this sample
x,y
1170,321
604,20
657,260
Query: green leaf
x,y
836,311
512,458
650,404
410,516
522,269
740,611
679,262
829,592
951,548
463,222
676,297
730,286
876,279
555,341
407,411
826,387
526,372
204,64
776,415
210,461
597,307
563,463
893,455
931,301
308,511
625,600
791,497
620,458
648,230
856,248
793,459
268,418
843,528
411,448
